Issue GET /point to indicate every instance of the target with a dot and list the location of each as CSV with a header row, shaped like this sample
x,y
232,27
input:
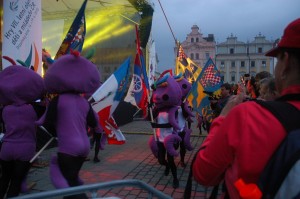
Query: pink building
x,y
197,47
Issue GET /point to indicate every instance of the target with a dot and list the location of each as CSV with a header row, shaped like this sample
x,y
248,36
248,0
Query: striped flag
x,y
75,37
106,99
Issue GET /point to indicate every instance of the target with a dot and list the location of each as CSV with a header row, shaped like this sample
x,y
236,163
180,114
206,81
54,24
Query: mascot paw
x,y
187,139
170,142
153,146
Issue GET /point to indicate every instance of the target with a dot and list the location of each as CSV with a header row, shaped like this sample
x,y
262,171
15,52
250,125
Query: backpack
x,y
281,176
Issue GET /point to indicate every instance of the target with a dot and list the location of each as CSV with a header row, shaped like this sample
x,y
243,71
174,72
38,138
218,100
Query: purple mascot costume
x,y
184,115
69,77
20,87
166,98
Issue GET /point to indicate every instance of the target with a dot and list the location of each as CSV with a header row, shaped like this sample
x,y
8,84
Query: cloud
x,y
243,18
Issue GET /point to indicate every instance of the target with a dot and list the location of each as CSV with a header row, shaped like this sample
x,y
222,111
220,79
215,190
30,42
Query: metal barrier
x,y
93,188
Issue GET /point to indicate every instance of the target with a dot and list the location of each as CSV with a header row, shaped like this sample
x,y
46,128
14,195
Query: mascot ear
x,y
153,146
169,143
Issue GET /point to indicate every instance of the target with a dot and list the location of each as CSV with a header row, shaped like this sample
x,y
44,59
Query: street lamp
x,y
248,55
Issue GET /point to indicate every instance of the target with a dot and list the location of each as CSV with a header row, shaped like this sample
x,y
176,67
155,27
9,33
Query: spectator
x,y
267,89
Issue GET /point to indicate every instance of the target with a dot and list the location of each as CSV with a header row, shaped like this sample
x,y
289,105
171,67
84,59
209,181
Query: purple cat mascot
x,y
70,76
184,114
20,87
166,98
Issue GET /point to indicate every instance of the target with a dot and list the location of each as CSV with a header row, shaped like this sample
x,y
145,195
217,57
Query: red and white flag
x,y
106,99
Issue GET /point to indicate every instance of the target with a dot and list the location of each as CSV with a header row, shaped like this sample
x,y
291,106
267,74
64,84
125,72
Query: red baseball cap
x,y
290,38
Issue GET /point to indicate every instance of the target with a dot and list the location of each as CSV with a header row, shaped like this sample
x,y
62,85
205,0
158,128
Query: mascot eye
x,y
165,97
184,86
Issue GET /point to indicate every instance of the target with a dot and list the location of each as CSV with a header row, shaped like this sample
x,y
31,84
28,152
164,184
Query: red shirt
x,y
240,145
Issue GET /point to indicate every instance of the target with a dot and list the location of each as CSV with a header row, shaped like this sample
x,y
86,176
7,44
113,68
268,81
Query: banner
x,y
22,32
152,63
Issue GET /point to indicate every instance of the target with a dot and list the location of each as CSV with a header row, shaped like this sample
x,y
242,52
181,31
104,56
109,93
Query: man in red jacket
x,y
245,135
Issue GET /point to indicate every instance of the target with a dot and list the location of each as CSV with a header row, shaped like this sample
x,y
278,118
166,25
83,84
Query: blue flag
x,y
75,36
208,81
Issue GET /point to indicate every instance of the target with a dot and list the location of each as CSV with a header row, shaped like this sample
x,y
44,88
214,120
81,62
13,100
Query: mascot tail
x,y
57,178
153,146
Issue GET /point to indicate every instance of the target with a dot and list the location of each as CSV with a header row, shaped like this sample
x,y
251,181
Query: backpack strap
x,y
285,112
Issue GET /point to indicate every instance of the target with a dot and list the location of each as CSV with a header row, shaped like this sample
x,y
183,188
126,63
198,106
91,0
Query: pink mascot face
x,y
167,93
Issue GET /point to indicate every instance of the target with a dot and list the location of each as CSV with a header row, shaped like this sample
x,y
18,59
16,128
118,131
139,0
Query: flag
x,y
22,33
208,81
152,63
186,66
106,99
137,93
75,36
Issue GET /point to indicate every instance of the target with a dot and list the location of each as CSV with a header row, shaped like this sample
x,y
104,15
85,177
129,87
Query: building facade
x,y
197,47
235,58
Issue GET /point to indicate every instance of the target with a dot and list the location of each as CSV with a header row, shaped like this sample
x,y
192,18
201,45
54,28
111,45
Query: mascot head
x,y
166,92
20,85
184,85
72,73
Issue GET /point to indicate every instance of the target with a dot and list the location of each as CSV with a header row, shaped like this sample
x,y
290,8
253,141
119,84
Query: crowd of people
x,y
242,134
245,135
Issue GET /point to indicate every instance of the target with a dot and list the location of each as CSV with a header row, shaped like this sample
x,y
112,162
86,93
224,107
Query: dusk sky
x,y
243,18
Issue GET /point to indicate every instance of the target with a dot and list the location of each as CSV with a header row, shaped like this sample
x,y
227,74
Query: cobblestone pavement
x,y
132,160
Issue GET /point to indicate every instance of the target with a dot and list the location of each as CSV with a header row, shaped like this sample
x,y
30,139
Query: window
x,y
232,77
231,51
242,63
263,63
259,50
232,64
197,39
222,64
192,40
192,55
252,63
222,77
207,55
197,55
